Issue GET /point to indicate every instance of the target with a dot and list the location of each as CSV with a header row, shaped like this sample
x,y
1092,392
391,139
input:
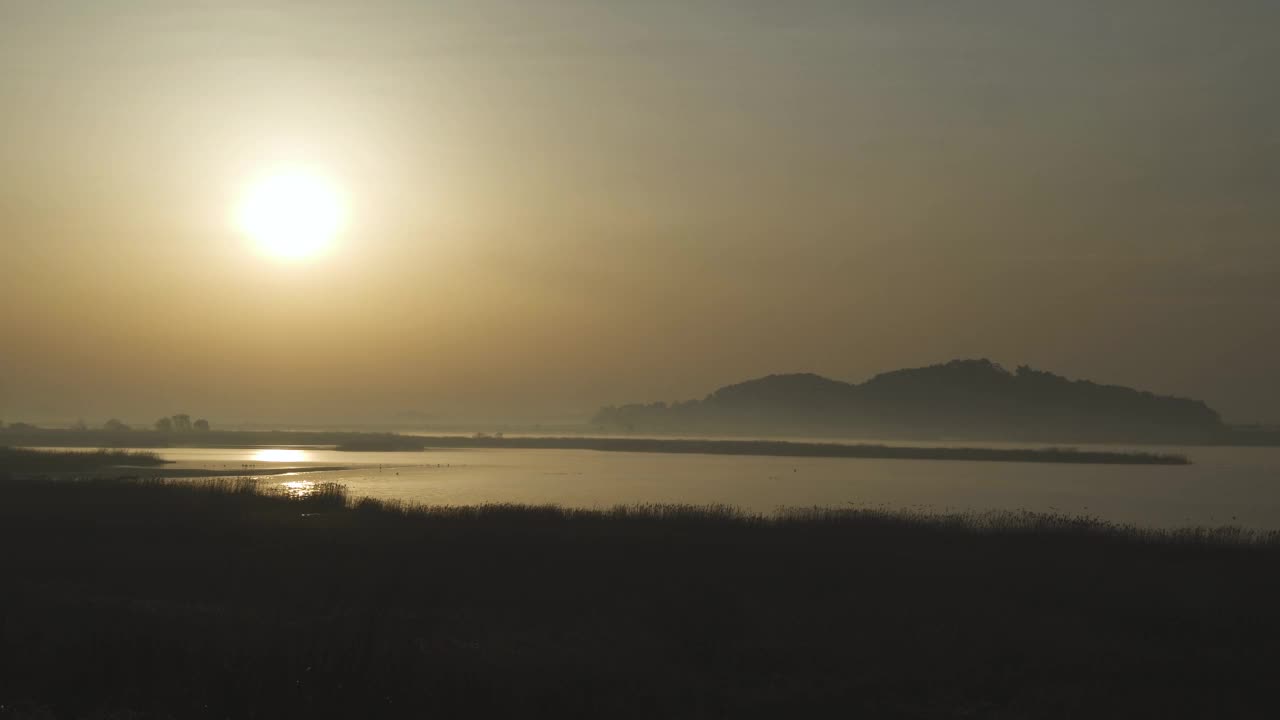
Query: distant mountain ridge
x,y
961,398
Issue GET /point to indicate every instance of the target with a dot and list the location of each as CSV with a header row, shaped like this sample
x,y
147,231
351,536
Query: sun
x,y
292,214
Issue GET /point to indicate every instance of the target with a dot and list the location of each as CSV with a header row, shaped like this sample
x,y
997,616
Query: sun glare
x,y
294,214
279,455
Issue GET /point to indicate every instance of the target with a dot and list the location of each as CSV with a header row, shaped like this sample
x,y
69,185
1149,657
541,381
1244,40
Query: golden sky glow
x,y
532,209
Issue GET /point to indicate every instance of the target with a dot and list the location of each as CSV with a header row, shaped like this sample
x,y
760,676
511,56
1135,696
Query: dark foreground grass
x,y
214,599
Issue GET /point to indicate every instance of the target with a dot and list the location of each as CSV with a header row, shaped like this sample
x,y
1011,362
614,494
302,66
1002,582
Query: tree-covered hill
x,y
961,398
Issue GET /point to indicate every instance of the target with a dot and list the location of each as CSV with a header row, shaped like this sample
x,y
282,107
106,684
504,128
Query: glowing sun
x,y
292,214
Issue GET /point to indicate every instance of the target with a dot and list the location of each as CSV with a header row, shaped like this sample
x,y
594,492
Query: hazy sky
x,y
555,205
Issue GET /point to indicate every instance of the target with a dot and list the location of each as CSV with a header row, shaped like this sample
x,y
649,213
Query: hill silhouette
x,y
962,398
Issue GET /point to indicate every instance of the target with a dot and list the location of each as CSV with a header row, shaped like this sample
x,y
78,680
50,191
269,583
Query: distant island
x,y
976,399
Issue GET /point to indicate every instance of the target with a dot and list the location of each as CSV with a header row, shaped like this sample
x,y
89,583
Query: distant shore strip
x,y
775,448
391,442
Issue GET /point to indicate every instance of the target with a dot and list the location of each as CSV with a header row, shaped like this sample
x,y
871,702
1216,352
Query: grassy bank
x,y
133,464
214,599
25,460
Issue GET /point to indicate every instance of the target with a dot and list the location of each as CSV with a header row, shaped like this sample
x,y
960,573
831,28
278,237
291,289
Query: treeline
x,y
962,398
181,423
170,423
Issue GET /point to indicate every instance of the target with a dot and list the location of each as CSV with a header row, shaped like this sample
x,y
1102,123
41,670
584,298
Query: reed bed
x,y
237,598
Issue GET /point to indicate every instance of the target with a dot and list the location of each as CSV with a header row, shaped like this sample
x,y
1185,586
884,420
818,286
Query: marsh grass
x,y
28,460
231,598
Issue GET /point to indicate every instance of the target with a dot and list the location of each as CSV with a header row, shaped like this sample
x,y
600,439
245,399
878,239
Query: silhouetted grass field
x,y
223,599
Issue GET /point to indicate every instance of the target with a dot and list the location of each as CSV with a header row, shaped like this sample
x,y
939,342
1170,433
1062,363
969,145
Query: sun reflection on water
x,y
299,488
280,455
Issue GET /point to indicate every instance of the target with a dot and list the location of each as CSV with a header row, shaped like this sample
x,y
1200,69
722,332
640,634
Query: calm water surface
x,y
1238,486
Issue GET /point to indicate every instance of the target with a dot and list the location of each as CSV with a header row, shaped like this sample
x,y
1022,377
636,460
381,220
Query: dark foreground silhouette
x,y
214,600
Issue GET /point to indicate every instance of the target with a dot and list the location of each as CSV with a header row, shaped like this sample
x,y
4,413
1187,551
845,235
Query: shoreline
x,y
408,439
768,448
161,473
771,448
